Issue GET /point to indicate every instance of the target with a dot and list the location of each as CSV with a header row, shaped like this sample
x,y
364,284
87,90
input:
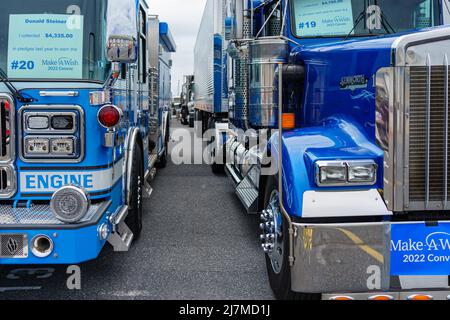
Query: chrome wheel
x,y
272,237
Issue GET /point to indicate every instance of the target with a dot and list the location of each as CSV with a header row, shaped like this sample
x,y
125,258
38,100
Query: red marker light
x,y
109,116
5,105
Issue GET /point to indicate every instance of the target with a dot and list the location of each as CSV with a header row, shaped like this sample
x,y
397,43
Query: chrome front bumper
x,y
350,258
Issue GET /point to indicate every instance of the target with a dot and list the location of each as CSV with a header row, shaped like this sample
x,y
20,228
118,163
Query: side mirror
x,y
121,49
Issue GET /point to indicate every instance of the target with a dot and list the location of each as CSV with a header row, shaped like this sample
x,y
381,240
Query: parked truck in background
x,y
355,95
187,101
83,124
161,48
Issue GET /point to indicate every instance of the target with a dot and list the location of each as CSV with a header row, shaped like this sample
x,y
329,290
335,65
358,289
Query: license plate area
x,y
13,246
418,249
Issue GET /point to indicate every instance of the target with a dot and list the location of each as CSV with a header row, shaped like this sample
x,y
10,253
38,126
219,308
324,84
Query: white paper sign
x,y
45,46
323,18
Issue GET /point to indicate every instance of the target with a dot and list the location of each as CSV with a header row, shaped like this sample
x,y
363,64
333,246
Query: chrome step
x,y
248,194
121,237
152,158
231,173
148,190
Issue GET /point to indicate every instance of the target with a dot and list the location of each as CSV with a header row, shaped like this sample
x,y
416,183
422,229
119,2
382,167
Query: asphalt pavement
x,y
198,243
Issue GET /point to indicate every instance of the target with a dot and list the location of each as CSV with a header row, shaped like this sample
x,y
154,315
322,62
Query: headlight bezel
x,y
347,166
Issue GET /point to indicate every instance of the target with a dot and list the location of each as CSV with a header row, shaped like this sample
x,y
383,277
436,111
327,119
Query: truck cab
x,y
77,151
353,97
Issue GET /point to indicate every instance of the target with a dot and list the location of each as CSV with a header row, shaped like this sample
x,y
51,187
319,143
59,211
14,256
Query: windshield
x,y
53,39
320,18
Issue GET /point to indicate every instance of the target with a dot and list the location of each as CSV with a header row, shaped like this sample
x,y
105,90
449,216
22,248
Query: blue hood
x,y
340,80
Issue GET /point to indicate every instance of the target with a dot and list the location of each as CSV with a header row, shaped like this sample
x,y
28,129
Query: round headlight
x,y
70,204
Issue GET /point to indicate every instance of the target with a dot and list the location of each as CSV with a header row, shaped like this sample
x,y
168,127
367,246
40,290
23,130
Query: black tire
x,y
281,282
184,116
134,218
161,163
198,118
215,167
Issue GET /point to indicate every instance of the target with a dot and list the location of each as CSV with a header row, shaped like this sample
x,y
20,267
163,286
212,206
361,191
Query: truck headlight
x,y
37,122
362,172
62,146
70,204
331,173
37,146
346,173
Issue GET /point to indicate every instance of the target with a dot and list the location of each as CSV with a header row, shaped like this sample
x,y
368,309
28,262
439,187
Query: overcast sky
x,y
183,17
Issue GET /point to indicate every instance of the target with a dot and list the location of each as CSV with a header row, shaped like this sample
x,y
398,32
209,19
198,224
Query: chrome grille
x,y
7,147
428,143
7,181
6,128
13,246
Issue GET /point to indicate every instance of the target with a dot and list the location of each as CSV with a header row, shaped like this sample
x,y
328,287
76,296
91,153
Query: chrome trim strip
x,y
11,181
11,150
59,93
82,131
428,137
402,44
131,143
446,132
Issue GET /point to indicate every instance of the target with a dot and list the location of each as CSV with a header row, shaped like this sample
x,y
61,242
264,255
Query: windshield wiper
x,y
357,22
16,93
384,21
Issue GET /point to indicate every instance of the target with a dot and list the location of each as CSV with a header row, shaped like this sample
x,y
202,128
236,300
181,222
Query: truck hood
x,y
340,79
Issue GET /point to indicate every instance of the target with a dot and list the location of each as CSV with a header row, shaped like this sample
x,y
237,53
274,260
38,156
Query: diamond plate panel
x,y
37,215
13,246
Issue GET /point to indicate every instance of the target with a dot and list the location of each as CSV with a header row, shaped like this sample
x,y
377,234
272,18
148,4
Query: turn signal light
x,y
420,297
5,104
288,121
342,298
381,298
109,116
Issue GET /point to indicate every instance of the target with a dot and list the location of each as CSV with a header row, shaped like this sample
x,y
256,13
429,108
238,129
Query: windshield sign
x,y
45,46
328,18
324,18
54,40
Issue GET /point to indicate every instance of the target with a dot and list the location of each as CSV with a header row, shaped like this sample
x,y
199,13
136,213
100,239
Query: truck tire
x,y
198,123
215,167
134,218
277,262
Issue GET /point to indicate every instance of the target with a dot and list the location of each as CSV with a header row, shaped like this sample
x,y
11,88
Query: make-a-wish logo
x,y
438,241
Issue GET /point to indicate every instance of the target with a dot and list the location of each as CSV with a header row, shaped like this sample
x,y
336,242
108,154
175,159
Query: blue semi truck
x,y
355,94
84,98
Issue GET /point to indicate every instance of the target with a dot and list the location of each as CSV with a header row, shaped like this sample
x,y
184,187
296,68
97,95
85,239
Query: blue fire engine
x,y
84,124
356,95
